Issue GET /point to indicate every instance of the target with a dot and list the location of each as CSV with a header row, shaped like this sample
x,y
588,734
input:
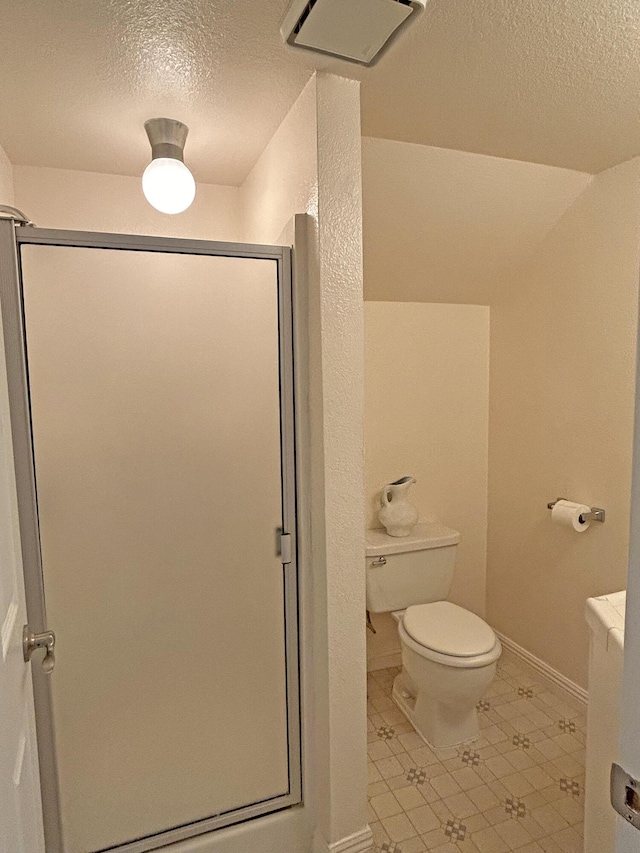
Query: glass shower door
x,y
161,418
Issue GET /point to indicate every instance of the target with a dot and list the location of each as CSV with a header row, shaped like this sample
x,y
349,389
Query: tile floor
x,y
520,787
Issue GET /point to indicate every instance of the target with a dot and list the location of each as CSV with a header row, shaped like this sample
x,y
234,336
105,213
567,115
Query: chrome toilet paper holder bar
x,y
596,514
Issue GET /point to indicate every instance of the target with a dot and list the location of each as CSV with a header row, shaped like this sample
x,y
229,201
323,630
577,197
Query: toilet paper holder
x,y
596,514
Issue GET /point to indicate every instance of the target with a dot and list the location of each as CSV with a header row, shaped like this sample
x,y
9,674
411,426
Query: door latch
x,y
625,795
46,641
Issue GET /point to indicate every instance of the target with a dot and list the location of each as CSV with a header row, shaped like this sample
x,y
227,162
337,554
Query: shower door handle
x,y
46,641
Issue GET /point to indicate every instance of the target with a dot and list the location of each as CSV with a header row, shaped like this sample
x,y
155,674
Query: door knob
x,y
46,641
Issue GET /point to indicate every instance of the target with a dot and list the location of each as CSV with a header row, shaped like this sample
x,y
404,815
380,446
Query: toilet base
x,y
445,734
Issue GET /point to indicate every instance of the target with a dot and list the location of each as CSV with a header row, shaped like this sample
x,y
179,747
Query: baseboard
x,y
359,842
575,694
384,661
573,691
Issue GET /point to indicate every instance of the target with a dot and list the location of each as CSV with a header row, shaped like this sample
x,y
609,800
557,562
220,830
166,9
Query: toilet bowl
x,y
449,659
449,655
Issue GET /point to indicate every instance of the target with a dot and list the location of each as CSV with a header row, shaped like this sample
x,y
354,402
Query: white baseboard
x,y
574,693
359,842
384,661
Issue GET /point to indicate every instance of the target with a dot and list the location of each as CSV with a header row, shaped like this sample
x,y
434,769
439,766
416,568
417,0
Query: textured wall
x,y
58,198
337,361
561,418
445,226
427,414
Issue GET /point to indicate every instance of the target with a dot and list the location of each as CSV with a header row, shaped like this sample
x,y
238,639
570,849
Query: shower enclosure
x,y
151,394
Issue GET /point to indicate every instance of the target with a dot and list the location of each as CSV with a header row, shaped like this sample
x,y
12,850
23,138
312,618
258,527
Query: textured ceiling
x,y
78,78
548,81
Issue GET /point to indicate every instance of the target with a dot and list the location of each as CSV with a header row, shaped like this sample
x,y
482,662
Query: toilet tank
x,y
414,569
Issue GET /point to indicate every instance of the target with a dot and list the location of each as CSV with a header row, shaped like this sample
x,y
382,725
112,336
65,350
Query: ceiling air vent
x,y
355,30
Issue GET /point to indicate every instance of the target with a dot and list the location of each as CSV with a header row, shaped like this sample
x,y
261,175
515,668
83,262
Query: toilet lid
x,y
446,628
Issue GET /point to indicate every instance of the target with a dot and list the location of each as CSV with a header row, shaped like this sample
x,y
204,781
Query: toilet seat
x,y
446,628
450,635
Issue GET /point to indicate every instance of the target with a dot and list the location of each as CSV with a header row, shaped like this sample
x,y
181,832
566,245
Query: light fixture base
x,y
167,137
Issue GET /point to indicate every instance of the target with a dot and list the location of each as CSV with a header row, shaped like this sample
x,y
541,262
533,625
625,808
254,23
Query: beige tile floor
x,y
520,787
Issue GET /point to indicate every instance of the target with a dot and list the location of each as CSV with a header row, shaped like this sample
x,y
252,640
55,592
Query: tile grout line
x,y
519,788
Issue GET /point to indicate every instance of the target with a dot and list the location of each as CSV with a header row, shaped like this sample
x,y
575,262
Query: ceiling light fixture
x,y
167,183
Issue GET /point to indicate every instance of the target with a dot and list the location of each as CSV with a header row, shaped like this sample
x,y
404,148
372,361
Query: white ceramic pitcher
x,y
396,513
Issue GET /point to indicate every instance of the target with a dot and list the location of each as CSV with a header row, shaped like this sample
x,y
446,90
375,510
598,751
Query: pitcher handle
x,y
385,500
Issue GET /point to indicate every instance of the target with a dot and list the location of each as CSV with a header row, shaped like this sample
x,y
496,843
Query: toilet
x,y
449,655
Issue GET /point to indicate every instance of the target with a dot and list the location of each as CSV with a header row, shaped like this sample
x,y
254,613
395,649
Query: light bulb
x,y
168,185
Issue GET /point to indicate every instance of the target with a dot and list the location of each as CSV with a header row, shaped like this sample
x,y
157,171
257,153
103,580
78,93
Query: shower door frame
x,y
12,237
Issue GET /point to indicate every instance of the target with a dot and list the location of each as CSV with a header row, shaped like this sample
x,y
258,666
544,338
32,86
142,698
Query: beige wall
x,y
444,226
6,179
284,180
555,255
427,413
59,198
563,337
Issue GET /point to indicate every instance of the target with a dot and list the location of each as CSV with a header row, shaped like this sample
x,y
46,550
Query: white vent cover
x,y
355,30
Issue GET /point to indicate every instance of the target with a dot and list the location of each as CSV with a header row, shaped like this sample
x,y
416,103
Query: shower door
x,y
152,411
